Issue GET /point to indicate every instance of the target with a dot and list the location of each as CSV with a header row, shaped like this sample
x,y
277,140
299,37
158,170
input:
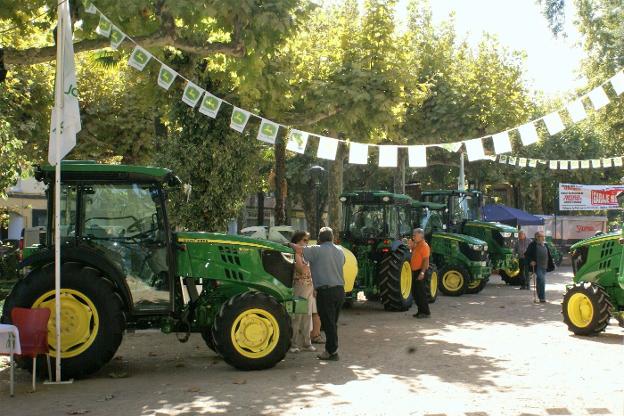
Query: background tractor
x,y
463,215
598,289
124,268
462,261
375,226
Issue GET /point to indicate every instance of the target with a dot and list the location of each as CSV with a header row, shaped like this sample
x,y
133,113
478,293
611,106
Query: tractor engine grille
x,y
229,255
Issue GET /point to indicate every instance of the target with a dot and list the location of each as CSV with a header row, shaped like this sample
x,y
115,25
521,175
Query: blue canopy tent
x,y
510,216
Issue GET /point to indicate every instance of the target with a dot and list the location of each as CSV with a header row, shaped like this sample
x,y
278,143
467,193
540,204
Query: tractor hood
x,y
596,239
190,237
494,226
463,238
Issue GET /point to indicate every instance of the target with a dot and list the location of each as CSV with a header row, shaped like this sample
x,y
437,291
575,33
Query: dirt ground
x,y
495,353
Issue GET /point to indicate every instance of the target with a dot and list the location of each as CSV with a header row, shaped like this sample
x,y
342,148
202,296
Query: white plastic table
x,y
10,344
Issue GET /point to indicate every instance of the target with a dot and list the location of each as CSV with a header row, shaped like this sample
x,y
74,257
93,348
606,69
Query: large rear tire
x,y
92,315
252,331
453,280
432,283
512,275
395,280
586,309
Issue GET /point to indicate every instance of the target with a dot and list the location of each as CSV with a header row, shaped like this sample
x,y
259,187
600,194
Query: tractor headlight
x,y
476,247
290,258
485,247
505,234
515,235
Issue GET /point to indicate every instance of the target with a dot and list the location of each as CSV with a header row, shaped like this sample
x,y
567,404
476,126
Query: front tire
x,y
432,283
395,281
476,286
252,331
454,280
92,315
586,308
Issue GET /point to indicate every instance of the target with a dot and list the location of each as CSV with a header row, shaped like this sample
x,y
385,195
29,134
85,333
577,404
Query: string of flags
x,y
297,140
523,162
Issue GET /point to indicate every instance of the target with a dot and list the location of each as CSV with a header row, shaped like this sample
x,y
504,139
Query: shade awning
x,y
509,215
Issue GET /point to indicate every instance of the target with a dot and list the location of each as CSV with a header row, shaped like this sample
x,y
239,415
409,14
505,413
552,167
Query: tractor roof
x,y
431,205
90,170
375,197
451,192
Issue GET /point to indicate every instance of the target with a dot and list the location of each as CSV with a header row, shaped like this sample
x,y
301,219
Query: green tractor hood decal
x,y
460,237
228,239
596,239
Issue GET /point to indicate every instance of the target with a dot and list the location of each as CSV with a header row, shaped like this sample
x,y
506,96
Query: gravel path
x,y
491,354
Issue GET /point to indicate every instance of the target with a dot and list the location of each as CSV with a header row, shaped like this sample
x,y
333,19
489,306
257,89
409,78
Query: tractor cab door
x,y
127,221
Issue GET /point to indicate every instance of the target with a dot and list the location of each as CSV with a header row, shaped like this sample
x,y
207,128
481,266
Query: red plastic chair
x,y
33,334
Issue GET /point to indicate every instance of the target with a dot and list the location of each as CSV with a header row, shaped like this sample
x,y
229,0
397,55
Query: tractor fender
x,y
87,256
349,270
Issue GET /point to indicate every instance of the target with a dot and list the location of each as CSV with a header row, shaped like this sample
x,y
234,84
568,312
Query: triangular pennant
x,y
327,148
574,164
166,76
388,156
268,131
528,134
239,119
554,124
417,156
598,98
474,149
192,94
297,141
595,163
617,82
139,58
617,162
607,162
104,27
358,153
89,7
512,160
532,163
522,162
116,37
502,159
210,105
553,165
502,144
584,164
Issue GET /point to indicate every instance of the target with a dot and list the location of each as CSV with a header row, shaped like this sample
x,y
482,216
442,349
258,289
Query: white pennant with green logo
x,y
104,27
239,119
192,94
166,76
139,58
297,141
116,37
210,105
89,7
268,131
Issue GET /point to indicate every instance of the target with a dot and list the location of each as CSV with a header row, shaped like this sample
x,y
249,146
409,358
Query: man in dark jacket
x,y
539,258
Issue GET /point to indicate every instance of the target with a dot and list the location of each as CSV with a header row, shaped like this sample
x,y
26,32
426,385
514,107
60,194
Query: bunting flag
x,y
358,153
139,58
388,156
327,148
417,156
553,165
511,160
116,37
595,163
577,112
166,76
502,144
598,98
474,150
528,134
297,141
607,163
90,8
104,27
239,119
574,164
210,105
192,94
522,162
617,162
268,131
563,164
617,82
532,163
584,164
554,124
450,147
502,159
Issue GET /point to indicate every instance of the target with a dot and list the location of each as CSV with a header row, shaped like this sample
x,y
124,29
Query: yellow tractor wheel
x,y
586,309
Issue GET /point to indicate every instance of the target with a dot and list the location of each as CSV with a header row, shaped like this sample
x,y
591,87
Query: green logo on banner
x,y
192,93
269,129
211,103
140,57
239,117
297,137
165,75
116,36
105,25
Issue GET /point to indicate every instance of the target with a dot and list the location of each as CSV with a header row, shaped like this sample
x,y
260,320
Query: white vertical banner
x,y
553,165
554,124
576,109
268,131
474,149
417,156
502,159
116,37
563,165
522,162
327,148
388,156
532,163
598,98
502,144
617,162
595,163
210,105
512,160
617,82
297,141
584,164
166,76
239,119
139,58
192,94
358,153
607,162
528,134
574,164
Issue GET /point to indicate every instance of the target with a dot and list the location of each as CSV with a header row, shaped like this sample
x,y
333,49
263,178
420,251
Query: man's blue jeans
x,y
541,282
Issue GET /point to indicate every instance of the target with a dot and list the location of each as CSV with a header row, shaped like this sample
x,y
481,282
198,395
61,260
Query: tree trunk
x,y
260,219
280,181
399,173
334,189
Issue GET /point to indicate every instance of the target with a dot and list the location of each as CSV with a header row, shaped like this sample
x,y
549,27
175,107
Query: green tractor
x,y
462,260
598,289
123,268
375,226
463,215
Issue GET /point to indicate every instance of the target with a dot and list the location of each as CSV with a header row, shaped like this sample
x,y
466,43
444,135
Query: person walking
x,y
521,246
419,263
539,258
302,286
326,264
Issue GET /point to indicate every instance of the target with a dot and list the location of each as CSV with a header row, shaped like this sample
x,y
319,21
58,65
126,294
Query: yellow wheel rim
x,y
80,322
580,310
406,280
474,284
453,280
514,270
255,333
433,286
